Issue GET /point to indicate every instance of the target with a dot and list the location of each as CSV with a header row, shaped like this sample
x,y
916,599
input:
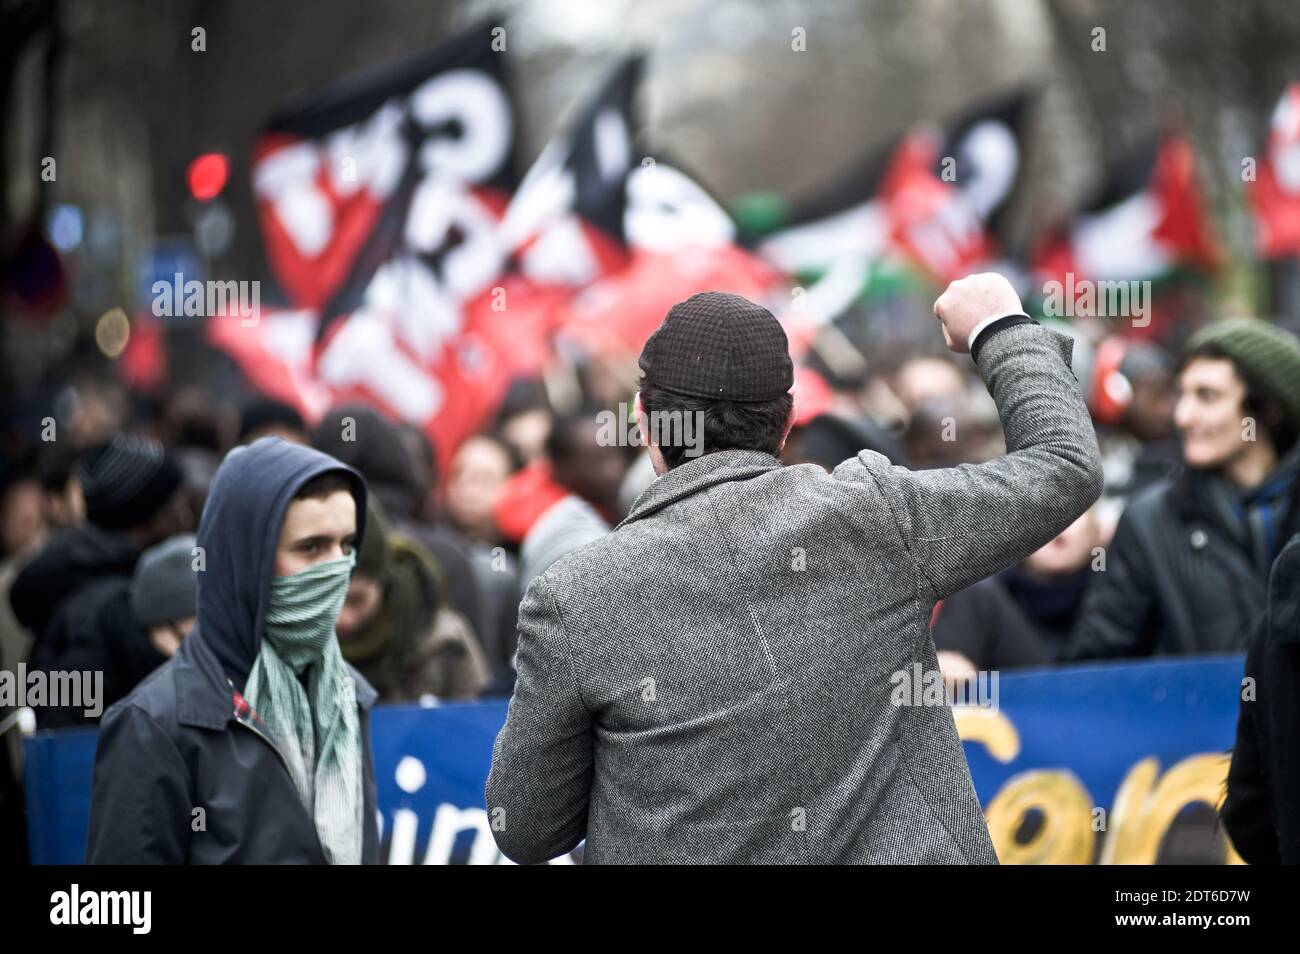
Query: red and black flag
x,y
629,232
947,190
565,223
678,240
932,198
336,171
380,198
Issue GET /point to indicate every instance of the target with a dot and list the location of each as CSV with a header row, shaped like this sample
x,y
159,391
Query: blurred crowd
x,y
1200,454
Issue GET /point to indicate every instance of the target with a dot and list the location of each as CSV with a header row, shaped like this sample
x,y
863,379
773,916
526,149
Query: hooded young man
x,y
252,744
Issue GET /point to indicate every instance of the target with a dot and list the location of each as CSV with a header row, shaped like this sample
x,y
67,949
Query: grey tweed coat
x,y
711,682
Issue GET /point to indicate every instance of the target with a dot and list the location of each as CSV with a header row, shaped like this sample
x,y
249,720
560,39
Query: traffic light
x,y
207,175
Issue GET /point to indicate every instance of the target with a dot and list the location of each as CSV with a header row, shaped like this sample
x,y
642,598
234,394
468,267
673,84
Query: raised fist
x,y
968,301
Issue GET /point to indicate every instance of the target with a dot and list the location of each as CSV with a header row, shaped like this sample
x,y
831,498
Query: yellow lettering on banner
x,y
1144,808
991,729
1065,836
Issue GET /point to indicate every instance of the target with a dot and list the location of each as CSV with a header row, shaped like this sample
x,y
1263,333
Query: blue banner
x,y
1071,765
1105,758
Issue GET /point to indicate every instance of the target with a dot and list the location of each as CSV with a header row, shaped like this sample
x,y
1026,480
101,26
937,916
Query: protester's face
x,y
1151,411
167,637
365,596
527,432
591,470
477,473
316,530
23,524
68,507
1208,414
100,411
923,380
1070,551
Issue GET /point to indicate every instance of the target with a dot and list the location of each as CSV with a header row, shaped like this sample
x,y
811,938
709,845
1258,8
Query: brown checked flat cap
x,y
714,345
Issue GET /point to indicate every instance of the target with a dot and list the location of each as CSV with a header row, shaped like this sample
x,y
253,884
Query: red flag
x,y
1150,219
276,355
931,219
334,173
1276,195
312,229
618,313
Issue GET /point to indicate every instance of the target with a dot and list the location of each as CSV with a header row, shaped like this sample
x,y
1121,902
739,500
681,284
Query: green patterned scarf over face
x,y
300,688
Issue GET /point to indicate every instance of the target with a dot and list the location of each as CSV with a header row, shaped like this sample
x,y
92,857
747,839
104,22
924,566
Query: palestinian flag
x,y
846,221
1149,219
831,242
1276,192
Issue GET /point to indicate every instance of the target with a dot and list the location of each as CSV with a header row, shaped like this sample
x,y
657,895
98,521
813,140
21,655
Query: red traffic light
x,y
207,176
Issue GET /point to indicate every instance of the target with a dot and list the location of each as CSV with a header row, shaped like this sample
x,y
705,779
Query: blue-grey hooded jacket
x,y
184,770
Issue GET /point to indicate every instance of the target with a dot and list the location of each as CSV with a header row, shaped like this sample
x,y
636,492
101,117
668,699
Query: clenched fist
x,y
968,301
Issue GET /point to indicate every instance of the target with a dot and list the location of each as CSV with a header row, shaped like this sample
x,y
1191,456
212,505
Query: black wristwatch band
x,y
1008,321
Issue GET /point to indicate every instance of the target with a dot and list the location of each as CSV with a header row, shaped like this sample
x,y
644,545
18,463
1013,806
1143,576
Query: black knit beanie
x,y
127,481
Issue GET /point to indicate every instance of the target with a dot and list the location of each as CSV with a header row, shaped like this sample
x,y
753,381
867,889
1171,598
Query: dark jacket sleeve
x,y
964,523
984,624
1117,617
87,650
1247,813
140,808
1262,811
539,787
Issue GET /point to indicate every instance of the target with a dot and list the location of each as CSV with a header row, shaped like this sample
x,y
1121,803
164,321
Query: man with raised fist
x,y
716,679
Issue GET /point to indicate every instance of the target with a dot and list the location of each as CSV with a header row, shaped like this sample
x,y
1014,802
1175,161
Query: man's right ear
x,y
789,425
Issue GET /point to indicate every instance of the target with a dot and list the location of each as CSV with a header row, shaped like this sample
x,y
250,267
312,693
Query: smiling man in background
x,y
1187,570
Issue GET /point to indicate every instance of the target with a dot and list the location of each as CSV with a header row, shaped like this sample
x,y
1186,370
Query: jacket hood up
x,y
238,533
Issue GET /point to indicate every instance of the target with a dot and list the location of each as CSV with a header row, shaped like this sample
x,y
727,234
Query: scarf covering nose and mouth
x,y
300,687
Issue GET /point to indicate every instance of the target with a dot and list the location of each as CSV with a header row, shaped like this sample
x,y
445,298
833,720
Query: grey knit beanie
x,y
165,586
